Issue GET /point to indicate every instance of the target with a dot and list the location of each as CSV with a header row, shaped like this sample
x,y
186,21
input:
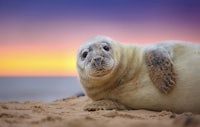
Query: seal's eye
x,y
105,47
84,55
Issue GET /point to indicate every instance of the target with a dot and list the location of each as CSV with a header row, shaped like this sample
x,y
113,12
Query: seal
x,y
158,76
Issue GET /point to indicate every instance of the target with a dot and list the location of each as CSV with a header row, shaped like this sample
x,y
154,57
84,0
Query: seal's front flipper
x,y
104,105
161,70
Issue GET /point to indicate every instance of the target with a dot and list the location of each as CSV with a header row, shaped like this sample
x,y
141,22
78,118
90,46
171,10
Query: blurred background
x,y
39,38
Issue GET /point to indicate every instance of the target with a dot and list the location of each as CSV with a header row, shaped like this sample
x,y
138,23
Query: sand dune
x,y
69,112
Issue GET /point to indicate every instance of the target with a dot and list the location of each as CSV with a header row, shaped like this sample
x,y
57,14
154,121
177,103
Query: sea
x,y
38,88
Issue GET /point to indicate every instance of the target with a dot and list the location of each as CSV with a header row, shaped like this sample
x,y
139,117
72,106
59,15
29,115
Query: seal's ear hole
x,y
105,47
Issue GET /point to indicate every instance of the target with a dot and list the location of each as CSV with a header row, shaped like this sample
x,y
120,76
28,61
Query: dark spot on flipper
x,y
161,70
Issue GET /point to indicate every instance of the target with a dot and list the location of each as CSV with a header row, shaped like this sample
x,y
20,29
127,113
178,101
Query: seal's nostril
x,y
98,58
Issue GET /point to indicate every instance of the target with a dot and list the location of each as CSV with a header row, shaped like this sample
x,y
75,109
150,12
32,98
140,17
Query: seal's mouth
x,y
100,66
99,72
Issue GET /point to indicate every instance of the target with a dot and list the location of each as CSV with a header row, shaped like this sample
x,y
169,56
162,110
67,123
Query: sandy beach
x,y
68,112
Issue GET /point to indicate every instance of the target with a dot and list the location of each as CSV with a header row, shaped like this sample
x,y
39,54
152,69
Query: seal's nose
x,y
97,59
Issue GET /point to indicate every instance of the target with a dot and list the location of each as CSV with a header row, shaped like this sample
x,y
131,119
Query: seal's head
x,y
94,57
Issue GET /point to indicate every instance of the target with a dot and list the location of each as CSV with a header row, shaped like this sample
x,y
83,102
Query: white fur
x,y
129,83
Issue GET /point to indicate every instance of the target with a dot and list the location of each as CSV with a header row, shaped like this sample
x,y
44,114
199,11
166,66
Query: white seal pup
x,y
159,76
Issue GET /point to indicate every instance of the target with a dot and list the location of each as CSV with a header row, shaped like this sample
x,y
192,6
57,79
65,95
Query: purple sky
x,y
102,10
36,32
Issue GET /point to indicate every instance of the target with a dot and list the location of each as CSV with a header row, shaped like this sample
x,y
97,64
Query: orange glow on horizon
x,y
37,63
51,50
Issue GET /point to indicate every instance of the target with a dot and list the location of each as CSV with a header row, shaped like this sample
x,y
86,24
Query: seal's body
x,y
160,76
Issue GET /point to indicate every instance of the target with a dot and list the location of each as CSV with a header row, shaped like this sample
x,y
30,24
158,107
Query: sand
x,y
68,112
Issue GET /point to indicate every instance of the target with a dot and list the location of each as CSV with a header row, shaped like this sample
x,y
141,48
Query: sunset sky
x,y
41,37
